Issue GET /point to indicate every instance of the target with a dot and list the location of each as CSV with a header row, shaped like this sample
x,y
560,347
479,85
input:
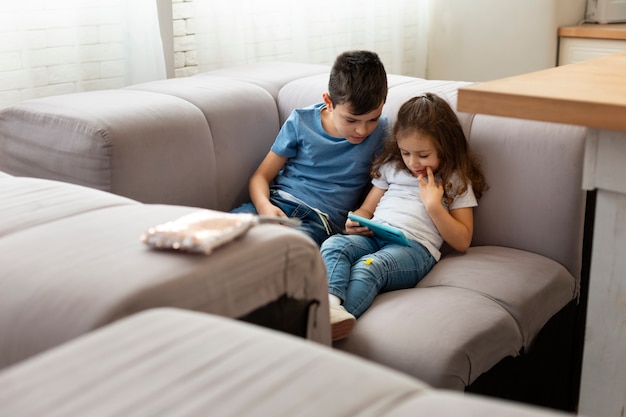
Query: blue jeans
x,y
312,224
361,267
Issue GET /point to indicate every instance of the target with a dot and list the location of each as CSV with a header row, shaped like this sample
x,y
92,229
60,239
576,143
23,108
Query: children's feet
x,y
341,322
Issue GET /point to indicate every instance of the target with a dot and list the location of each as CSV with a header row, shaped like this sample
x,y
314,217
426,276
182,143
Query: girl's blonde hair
x,y
431,115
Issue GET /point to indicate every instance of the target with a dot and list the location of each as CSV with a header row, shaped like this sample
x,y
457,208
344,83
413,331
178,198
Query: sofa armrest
x,y
77,263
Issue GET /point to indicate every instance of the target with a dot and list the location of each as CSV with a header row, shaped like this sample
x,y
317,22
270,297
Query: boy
x,y
319,164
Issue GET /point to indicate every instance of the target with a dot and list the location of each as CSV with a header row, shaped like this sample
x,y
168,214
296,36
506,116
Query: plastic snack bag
x,y
205,230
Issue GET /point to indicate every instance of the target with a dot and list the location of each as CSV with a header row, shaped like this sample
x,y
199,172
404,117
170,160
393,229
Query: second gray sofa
x,y
170,362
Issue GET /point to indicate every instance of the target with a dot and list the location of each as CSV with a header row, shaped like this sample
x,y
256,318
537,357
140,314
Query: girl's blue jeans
x,y
361,267
312,224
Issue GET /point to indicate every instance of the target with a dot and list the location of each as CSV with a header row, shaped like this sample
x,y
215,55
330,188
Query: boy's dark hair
x,y
358,78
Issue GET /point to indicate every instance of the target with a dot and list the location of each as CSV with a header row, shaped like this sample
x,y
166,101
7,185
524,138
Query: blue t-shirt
x,y
323,171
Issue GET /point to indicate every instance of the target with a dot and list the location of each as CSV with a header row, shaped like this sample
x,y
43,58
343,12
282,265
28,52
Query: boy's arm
x,y
259,184
366,210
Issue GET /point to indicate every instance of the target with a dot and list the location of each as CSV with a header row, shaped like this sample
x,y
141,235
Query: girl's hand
x,y
431,193
355,228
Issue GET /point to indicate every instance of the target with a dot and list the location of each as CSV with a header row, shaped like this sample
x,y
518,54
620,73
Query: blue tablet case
x,y
382,230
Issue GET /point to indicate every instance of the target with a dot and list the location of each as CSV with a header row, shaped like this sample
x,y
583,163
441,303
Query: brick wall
x,y
185,58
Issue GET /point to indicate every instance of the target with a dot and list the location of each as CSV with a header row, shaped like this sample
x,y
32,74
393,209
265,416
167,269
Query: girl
x,y
425,183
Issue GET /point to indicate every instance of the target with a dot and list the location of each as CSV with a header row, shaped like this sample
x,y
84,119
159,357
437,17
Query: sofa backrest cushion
x,y
124,141
308,90
535,201
271,76
242,124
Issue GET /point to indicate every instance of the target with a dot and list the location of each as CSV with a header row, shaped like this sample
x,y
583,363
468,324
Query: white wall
x,y
472,40
480,40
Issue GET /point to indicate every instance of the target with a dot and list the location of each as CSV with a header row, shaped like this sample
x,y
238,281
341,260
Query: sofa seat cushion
x,y
175,362
171,362
76,267
28,202
530,287
468,313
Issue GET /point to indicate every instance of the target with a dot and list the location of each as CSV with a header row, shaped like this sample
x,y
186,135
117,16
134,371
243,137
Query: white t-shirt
x,y
401,206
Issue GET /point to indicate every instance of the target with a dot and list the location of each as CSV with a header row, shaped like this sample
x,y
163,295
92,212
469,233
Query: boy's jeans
x,y
361,267
312,224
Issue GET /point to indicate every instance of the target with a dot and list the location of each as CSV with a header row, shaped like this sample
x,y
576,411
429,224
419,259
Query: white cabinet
x,y
573,50
588,41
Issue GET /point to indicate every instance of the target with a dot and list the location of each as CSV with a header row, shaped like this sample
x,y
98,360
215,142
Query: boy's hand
x,y
355,228
271,210
431,193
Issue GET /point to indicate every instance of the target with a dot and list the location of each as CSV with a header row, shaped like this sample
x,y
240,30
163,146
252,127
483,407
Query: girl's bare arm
x,y
456,227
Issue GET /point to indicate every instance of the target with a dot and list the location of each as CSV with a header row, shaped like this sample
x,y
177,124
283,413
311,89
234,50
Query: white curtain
x,y
52,47
236,32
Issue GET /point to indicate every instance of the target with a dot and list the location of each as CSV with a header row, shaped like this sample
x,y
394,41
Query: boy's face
x,y
355,128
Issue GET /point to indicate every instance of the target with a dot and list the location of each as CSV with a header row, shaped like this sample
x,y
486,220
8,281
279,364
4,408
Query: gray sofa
x,y
171,362
195,142
72,261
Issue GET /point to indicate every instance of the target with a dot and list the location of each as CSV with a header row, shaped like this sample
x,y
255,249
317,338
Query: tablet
x,y
381,230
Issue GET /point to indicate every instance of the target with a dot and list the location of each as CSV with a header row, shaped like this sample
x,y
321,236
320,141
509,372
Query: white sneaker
x,y
341,322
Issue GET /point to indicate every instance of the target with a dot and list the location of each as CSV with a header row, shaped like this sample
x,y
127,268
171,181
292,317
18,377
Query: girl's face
x,y
418,152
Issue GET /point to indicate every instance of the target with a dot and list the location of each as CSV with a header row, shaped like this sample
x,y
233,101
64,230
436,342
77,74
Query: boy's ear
x,y
327,100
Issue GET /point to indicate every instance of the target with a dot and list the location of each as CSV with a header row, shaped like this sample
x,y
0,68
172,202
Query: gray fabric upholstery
x,y
271,76
124,141
470,311
72,261
535,202
242,123
171,362
195,141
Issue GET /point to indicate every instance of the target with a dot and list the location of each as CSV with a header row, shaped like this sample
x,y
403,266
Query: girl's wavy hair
x,y
431,115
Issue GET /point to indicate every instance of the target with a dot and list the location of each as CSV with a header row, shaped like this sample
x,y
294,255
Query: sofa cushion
x,y
138,144
28,202
530,287
271,76
438,334
471,310
308,90
170,362
76,263
535,201
174,362
242,124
